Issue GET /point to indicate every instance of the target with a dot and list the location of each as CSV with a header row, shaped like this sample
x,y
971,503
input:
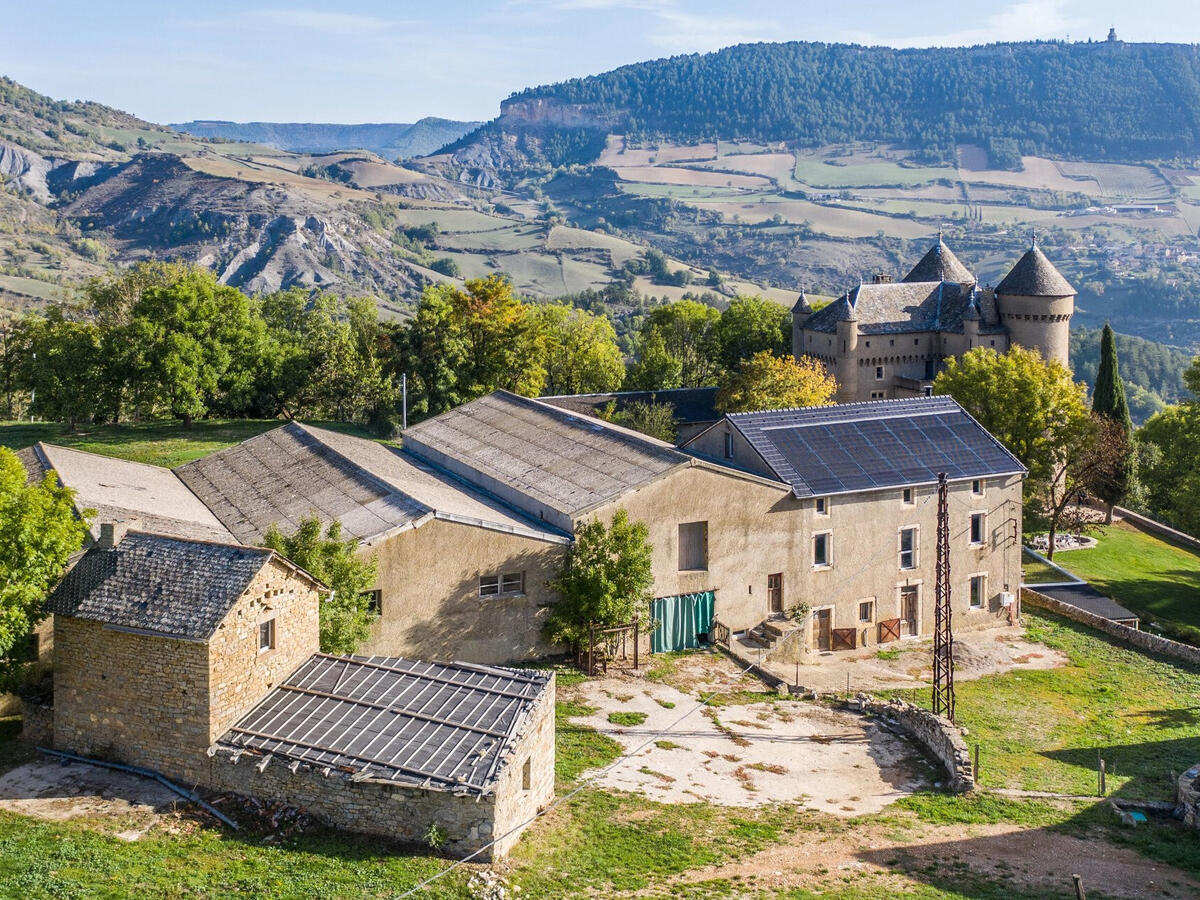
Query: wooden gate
x,y
845,638
889,630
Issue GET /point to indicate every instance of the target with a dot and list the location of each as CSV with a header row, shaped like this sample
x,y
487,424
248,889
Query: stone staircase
x,y
767,633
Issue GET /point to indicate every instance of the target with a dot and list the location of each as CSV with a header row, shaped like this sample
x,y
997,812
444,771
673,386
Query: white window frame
x,y
493,585
879,373
489,585
977,487
272,633
508,578
908,496
828,564
915,551
869,620
980,514
982,578
821,506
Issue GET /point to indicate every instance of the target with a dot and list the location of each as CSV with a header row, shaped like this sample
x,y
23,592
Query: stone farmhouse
x,y
199,660
828,507
888,339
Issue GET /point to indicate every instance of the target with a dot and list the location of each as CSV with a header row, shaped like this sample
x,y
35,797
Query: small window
x,y
821,548
878,395
489,585
527,774
822,506
907,496
867,343
866,611
977,488
908,548
928,390
266,636
512,583
978,590
916,342
879,373
693,546
978,527
729,445
374,601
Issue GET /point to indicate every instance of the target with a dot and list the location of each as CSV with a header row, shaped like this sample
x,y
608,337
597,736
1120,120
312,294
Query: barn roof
x,y
541,456
444,726
823,450
288,473
149,582
119,489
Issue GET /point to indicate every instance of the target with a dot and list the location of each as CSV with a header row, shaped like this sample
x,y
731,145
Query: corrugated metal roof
x,y
540,454
823,450
170,586
447,726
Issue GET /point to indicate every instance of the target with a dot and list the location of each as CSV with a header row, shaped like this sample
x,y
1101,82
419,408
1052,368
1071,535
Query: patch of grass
x,y
1148,575
773,768
665,704
625,717
668,745
888,654
166,443
979,808
1034,571
579,747
1044,730
663,665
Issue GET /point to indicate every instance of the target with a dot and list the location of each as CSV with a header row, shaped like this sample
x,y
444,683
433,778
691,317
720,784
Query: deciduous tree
x,y
751,325
766,381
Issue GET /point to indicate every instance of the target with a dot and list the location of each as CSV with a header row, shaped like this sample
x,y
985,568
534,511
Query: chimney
x,y
880,278
112,533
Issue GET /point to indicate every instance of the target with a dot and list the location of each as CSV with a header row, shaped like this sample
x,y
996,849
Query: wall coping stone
x,y
937,734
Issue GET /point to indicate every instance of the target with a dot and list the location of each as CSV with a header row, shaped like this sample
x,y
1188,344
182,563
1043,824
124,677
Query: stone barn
x,y
200,660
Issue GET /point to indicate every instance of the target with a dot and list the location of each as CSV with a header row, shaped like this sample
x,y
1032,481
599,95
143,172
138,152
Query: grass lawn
x,y
1034,571
1045,730
165,443
1153,578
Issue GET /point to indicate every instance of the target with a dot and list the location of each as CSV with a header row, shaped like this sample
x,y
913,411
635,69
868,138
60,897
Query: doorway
x,y
775,593
910,609
823,629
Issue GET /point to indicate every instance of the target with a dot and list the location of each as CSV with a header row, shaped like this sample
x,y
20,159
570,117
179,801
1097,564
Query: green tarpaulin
x,y
680,619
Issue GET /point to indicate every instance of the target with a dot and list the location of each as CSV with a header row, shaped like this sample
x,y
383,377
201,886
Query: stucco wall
x,y
755,530
431,608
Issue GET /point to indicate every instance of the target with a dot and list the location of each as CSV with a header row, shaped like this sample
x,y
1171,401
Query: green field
x,y
814,171
157,443
1155,579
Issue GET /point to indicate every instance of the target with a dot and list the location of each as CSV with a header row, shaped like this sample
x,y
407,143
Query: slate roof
x,y
296,470
824,450
897,307
691,406
1086,597
121,490
445,726
170,586
544,459
940,264
1035,276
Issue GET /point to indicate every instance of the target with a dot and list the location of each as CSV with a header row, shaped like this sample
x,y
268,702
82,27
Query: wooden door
x,y
910,609
823,629
775,592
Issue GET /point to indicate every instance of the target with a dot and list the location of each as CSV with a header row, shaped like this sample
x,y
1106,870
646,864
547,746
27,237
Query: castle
x,y
888,338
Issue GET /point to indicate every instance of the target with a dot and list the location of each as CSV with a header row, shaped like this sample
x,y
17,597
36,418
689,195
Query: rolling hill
x,y
393,141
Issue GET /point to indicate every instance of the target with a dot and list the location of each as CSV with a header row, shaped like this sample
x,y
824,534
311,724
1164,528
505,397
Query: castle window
x,y
866,343
879,373
892,342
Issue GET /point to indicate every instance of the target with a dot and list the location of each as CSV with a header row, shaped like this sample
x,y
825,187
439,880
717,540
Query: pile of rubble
x,y
277,821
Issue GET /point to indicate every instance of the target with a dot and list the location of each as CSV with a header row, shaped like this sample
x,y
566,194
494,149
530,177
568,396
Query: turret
x,y
971,317
800,315
1035,304
847,353
940,264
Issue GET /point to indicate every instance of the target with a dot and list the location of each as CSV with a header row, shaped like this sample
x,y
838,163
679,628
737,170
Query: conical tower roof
x,y
940,264
802,305
1035,276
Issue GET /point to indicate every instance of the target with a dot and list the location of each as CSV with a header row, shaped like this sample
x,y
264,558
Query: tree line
x,y
169,340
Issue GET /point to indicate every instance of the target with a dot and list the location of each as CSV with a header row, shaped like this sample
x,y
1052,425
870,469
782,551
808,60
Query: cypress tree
x,y
1108,399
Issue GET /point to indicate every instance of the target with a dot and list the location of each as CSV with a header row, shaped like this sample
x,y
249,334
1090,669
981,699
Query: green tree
x,y
579,350
346,615
41,530
750,325
654,419
680,336
606,580
1108,401
766,381
62,367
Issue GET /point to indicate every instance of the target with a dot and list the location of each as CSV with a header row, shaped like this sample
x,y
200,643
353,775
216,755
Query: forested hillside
x,y
1152,372
1094,100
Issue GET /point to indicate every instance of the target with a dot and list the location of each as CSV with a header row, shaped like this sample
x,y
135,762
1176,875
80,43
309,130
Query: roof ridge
x,y
120,459
855,403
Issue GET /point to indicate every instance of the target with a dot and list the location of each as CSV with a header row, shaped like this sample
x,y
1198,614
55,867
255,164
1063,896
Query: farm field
x,y
620,844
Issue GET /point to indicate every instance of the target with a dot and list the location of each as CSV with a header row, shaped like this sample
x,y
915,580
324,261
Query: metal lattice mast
x,y
943,634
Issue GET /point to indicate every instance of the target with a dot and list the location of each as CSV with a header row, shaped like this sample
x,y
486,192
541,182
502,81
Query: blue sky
x,y
397,61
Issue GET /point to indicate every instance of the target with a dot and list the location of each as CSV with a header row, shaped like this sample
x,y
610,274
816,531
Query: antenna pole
x,y
943,634
404,401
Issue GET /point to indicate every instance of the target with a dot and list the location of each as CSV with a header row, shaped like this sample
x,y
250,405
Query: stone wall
x,y
1188,797
936,734
131,698
1165,531
516,803
37,723
1142,640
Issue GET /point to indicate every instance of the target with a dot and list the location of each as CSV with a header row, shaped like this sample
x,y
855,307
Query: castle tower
x,y
1035,304
800,313
846,370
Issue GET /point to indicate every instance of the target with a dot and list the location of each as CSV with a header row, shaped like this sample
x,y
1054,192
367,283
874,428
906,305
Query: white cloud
x,y
1021,21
